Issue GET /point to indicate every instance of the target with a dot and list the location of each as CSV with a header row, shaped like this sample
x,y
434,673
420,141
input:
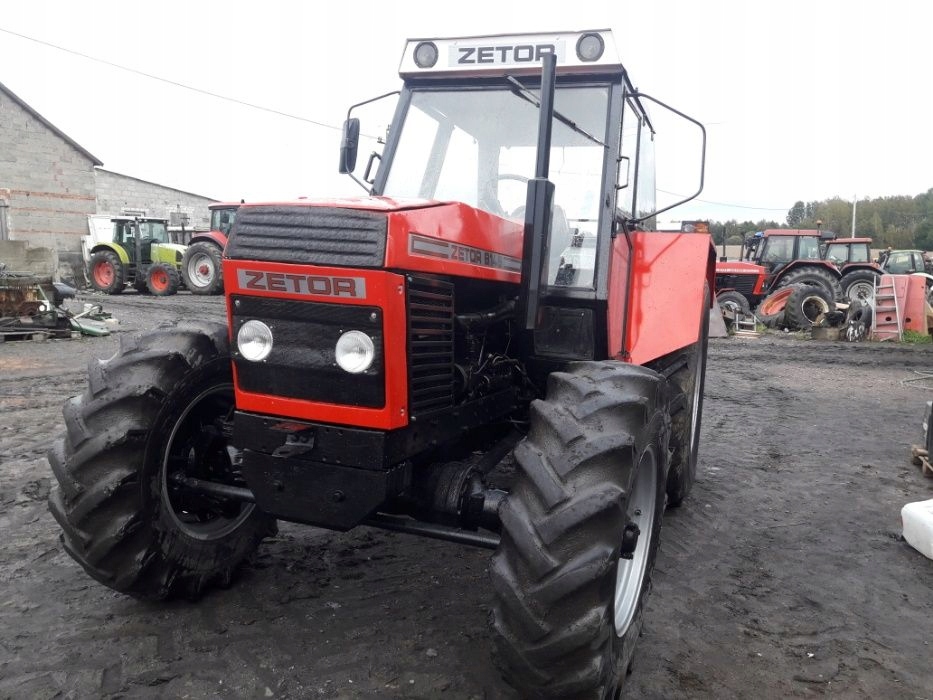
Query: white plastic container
x,y
918,526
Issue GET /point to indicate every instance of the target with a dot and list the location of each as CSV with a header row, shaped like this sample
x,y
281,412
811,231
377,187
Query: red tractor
x,y
857,271
778,258
385,353
202,267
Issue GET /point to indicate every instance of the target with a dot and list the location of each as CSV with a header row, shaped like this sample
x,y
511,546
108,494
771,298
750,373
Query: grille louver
x,y
304,234
430,345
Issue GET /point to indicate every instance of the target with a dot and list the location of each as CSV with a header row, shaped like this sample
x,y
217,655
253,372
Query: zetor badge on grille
x,y
310,285
496,296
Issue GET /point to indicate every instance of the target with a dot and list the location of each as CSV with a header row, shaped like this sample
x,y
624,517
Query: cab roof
x,y
141,219
590,51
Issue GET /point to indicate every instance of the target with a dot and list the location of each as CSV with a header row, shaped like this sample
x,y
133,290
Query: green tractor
x,y
141,254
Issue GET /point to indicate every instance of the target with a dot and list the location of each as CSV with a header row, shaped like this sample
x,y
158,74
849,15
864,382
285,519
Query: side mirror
x,y
348,145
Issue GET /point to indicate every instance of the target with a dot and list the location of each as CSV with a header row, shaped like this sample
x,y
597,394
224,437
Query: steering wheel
x,y
517,178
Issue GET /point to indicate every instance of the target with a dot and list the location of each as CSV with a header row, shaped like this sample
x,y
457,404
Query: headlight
x,y
254,341
355,352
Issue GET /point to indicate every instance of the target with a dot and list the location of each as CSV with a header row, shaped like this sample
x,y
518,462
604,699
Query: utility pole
x,y
854,205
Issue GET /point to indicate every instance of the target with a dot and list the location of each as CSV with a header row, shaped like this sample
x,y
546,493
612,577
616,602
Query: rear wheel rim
x,y
861,291
776,302
699,371
104,273
201,270
197,448
630,573
813,307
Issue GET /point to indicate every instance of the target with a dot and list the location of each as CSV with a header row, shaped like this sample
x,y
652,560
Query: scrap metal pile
x,y
32,307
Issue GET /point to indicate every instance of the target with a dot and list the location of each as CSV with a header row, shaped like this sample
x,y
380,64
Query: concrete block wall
x,y
19,256
117,193
47,184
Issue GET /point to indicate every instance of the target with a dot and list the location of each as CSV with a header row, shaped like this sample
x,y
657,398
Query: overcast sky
x,y
802,99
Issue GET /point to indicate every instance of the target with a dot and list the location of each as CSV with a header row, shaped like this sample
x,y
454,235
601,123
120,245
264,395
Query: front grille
x,y
302,364
744,284
307,234
430,345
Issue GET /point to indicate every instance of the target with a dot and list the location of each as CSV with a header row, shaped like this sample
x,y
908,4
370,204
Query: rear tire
x,y
859,285
805,305
814,276
163,280
151,411
685,423
568,609
202,268
731,299
108,275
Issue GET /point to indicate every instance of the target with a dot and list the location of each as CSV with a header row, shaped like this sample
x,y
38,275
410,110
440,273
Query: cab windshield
x,y
479,146
222,220
154,230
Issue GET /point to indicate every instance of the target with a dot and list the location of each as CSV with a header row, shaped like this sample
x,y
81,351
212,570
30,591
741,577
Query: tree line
x,y
898,222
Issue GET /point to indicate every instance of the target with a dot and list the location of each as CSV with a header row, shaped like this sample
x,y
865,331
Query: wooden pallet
x,y
920,457
37,334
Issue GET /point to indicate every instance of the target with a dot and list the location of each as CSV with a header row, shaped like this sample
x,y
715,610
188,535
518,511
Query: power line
x,y
171,82
724,204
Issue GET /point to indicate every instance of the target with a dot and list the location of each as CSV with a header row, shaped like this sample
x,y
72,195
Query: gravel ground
x,y
784,574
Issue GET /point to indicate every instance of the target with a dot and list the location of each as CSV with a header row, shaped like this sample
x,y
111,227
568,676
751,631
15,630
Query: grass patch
x,y
916,338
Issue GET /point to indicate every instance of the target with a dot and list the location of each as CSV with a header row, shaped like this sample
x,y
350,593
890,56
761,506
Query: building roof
x,y
165,187
54,129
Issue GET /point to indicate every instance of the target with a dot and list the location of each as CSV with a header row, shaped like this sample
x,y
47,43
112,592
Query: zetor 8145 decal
x,y
490,346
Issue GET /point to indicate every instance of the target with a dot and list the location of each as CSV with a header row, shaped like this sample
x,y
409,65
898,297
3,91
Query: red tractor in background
x,y
857,271
777,258
385,353
201,267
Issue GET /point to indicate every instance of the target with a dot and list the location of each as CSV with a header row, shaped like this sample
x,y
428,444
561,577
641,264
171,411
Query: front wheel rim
x,y
630,573
196,444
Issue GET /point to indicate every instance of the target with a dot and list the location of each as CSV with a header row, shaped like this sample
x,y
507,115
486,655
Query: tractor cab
x,y
468,128
774,249
849,251
137,236
222,217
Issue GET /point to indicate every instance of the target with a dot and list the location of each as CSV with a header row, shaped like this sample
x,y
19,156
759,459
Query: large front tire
x,y
153,413
162,280
568,607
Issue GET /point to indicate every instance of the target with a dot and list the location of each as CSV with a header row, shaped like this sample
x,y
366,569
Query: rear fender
x,y
215,237
117,250
665,300
853,267
797,264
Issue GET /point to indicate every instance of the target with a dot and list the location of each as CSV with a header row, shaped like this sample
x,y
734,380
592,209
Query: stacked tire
x,y
795,307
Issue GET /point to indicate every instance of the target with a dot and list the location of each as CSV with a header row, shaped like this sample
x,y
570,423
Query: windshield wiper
x,y
520,90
